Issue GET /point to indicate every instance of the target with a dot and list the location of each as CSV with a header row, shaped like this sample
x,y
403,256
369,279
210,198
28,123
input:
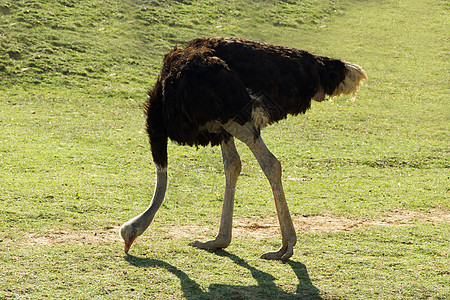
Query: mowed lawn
x,y
366,180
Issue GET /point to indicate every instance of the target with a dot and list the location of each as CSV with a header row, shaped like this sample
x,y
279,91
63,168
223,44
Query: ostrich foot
x,y
284,253
211,245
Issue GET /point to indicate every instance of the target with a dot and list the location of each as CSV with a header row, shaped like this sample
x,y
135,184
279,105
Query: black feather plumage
x,y
217,79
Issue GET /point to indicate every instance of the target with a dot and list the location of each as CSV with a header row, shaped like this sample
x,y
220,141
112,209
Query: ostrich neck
x,y
144,219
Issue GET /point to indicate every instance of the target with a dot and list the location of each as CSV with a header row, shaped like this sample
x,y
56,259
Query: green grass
x,y
80,43
75,161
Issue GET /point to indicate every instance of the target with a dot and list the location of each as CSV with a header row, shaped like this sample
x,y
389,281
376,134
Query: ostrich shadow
x,y
266,288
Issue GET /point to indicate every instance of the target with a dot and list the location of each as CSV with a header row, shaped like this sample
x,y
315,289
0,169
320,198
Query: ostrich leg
x,y
272,169
232,168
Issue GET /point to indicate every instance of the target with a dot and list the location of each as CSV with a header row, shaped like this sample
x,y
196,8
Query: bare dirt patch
x,y
249,227
55,237
269,226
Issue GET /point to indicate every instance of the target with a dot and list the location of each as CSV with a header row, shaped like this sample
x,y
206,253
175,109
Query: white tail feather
x,y
350,85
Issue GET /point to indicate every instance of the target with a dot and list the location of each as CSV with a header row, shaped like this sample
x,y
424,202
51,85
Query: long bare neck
x,y
158,198
137,225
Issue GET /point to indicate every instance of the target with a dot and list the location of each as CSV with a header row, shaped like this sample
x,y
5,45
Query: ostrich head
x,y
354,75
129,232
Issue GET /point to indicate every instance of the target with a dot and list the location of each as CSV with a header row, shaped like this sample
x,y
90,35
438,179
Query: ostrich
x,y
217,89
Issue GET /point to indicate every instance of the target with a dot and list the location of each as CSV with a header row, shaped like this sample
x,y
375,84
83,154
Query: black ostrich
x,y
218,89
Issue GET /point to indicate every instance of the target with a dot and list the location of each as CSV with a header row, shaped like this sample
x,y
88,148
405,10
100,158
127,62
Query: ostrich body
x,y
217,89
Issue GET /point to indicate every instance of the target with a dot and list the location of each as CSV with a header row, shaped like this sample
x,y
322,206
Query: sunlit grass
x,y
75,160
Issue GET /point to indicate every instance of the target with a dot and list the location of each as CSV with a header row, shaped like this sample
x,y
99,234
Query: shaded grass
x,y
79,43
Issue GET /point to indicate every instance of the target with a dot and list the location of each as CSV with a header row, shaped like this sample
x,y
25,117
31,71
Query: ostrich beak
x,y
128,245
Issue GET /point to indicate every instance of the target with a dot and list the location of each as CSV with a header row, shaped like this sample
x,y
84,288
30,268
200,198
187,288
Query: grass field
x,y
366,181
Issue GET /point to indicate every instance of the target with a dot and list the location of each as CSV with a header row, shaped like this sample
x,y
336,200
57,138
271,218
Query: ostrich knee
x,y
272,168
232,167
